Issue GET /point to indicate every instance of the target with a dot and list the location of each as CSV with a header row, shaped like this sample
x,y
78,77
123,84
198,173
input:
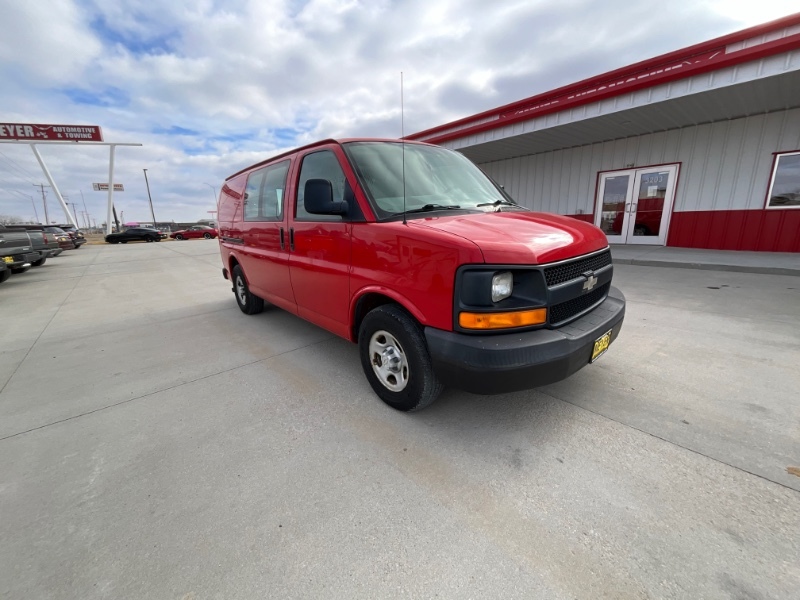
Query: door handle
x,y
283,242
291,238
634,207
627,208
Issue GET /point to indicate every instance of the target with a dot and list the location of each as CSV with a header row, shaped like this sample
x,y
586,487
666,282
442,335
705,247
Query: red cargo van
x,y
412,252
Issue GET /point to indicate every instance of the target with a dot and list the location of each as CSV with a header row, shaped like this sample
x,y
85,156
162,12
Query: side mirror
x,y
318,198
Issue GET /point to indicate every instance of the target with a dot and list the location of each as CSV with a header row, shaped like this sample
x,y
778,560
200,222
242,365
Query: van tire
x,y
248,302
393,329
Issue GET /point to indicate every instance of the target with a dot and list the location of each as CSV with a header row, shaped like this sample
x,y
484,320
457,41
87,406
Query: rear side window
x,y
320,165
263,195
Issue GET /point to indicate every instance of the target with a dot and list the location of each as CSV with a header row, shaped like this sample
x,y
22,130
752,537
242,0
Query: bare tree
x,y
10,220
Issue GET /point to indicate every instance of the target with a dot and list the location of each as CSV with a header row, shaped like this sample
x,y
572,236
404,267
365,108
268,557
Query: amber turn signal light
x,y
502,320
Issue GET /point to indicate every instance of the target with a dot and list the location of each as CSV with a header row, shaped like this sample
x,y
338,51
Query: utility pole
x,y
85,210
44,201
147,183
74,210
35,212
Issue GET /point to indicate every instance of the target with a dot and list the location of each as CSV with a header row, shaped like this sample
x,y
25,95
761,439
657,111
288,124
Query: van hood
x,y
522,237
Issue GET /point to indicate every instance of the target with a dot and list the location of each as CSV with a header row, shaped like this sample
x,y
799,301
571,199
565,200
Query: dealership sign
x,y
103,187
50,133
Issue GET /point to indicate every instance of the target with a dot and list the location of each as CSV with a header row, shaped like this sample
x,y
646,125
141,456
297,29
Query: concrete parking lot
x,y
157,443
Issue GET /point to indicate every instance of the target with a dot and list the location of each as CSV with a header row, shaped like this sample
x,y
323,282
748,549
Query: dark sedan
x,y
135,234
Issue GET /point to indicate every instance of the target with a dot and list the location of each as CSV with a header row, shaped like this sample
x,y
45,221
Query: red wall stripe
x,y
583,217
760,230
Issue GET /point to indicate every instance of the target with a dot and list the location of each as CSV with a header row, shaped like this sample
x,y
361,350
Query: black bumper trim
x,y
511,362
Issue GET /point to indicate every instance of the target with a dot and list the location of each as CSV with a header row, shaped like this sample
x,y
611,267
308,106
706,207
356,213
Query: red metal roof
x,y
694,60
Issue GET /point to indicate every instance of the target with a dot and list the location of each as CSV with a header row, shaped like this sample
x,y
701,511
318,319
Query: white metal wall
x,y
725,165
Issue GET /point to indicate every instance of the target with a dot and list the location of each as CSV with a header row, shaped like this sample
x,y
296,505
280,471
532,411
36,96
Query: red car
x,y
411,252
197,231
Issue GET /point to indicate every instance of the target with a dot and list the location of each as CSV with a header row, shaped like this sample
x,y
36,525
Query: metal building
x,y
697,148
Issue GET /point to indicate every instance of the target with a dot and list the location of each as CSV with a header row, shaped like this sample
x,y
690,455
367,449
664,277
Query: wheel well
x,y
366,303
233,263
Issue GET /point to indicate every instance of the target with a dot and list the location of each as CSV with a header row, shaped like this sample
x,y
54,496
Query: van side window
x,y
251,195
320,165
264,193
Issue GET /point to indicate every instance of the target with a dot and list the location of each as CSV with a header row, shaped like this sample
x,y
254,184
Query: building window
x,y
784,189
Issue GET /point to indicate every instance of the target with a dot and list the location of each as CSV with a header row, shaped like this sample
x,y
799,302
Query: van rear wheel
x,y
249,303
395,359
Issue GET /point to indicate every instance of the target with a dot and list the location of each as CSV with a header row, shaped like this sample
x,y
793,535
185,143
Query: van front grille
x,y
571,308
568,271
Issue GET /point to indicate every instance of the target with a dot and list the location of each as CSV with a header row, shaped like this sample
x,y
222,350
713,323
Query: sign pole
x,y
53,186
110,188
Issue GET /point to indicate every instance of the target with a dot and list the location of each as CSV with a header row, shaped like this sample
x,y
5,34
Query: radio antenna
x,y
403,142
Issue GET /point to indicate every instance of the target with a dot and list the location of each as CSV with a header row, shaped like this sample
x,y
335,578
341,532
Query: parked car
x,y
197,231
135,234
410,251
16,250
41,239
75,234
65,242
40,244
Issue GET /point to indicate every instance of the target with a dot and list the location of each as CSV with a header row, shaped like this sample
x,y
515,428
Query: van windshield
x,y
435,179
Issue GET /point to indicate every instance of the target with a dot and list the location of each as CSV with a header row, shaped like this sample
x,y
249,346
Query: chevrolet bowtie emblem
x,y
590,282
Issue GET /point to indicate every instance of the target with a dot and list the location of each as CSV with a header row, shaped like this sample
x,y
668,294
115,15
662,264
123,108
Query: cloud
x,y
210,86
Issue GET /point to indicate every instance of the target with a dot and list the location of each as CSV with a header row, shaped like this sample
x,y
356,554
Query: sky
x,y
209,87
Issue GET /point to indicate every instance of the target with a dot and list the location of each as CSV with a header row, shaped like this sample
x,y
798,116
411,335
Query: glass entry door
x,y
634,205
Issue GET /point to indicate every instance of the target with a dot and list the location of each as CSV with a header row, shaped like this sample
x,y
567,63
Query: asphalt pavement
x,y
157,443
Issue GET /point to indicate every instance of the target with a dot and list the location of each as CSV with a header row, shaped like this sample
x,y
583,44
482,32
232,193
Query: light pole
x,y
213,190
147,183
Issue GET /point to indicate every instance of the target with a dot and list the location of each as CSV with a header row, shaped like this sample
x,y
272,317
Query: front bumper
x,y
511,362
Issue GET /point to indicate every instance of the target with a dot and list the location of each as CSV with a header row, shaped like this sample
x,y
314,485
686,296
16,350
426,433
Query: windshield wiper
x,y
498,203
431,207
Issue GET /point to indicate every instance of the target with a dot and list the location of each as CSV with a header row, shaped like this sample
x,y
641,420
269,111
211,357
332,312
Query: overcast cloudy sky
x,y
211,86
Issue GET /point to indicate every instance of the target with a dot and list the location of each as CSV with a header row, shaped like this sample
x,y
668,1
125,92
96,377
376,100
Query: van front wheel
x,y
249,303
395,359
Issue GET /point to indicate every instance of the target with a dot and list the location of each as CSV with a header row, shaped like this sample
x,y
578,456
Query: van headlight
x,y
502,286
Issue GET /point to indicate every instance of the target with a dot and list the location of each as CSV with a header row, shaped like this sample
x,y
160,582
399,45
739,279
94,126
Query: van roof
x,y
319,143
